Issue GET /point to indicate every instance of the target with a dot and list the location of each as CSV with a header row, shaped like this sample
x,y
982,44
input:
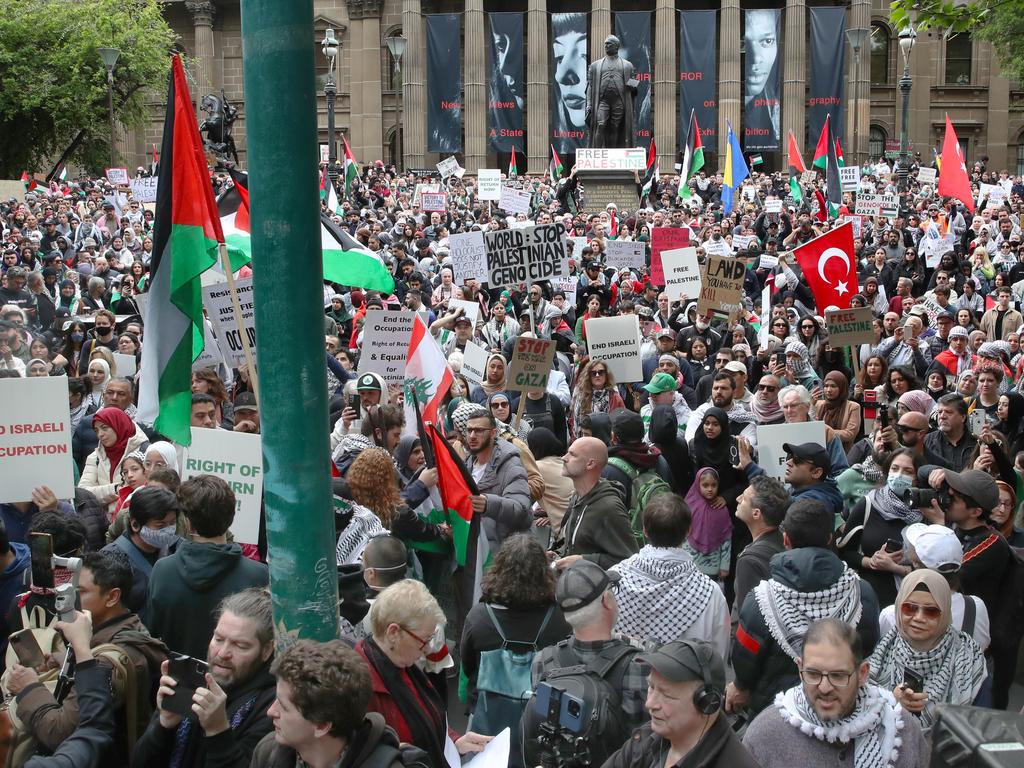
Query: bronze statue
x,y
217,127
611,86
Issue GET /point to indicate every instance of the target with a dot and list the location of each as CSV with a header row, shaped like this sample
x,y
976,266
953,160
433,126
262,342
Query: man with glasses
x,y
835,716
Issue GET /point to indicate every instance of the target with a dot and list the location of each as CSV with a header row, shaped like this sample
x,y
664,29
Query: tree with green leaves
x,y
53,83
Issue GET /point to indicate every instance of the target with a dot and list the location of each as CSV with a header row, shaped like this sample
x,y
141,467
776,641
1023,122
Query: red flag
x,y
821,151
953,179
829,265
822,213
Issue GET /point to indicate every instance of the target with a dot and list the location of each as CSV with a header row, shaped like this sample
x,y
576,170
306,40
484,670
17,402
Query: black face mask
x,y
103,330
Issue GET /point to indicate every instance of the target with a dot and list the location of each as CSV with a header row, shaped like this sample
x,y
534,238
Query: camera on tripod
x,y
565,718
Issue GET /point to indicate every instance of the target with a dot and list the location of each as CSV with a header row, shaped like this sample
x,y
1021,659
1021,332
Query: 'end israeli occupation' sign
x,y
625,159
526,255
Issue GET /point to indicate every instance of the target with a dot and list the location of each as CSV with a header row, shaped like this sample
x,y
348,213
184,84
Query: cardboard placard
x,y
773,205
531,365
849,178
488,181
236,458
474,362
118,176
448,167
616,340
618,159
625,254
35,438
721,286
514,200
386,334
887,206
434,201
144,189
217,300
682,272
847,327
665,239
469,256
527,255
469,308
927,176
771,457
808,178
127,365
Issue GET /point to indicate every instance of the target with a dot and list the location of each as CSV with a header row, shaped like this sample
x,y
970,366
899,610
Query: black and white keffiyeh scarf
x,y
874,725
891,507
789,612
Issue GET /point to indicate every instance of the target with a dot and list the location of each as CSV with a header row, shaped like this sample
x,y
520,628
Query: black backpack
x,y
599,685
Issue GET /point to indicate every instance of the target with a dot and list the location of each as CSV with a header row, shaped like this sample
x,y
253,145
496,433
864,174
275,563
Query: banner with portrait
x,y
762,100
444,83
698,75
569,81
633,28
828,57
506,91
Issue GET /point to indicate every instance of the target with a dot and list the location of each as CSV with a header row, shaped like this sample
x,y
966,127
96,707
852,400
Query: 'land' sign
x,y
527,255
721,285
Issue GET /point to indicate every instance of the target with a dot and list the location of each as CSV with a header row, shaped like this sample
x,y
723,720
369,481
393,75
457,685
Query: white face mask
x,y
160,538
898,483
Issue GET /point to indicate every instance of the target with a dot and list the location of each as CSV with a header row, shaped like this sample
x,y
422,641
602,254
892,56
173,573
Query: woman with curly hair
x,y
595,391
206,381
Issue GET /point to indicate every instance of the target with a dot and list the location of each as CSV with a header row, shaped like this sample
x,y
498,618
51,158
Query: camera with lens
x,y
916,498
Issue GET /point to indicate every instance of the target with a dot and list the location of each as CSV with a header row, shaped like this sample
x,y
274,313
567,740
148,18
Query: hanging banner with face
x,y
444,84
569,83
762,112
506,95
697,75
828,54
633,28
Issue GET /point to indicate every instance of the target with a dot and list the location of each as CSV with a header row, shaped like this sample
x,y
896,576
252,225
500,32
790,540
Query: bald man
x,y
596,526
911,429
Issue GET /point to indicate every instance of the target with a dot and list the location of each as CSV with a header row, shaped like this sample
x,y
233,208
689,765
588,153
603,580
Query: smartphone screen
x,y
27,649
189,674
41,547
912,680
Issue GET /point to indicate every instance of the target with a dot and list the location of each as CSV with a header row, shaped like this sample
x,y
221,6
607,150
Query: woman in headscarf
x,y
709,541
118,436
99,376
714,446
764,405
924,642
917,401
500,327
836,409
160,455
595,391
494,379
798,366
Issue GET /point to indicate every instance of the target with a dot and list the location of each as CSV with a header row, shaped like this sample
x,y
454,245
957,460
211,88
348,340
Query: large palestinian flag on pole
x,y
349,262
233,207
186,239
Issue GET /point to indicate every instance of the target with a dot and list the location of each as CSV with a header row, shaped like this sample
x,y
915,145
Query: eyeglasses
x,y
904,428
598,373
423,643
499,405
835,679
910,610
477,430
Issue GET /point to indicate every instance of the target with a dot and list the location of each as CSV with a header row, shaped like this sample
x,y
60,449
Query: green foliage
x,y
53,82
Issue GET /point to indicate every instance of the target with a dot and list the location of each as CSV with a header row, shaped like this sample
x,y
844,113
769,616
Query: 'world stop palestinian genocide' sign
x,y
526,255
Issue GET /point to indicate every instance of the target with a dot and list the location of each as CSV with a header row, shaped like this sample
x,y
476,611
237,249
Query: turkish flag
x,y
830,267
953,179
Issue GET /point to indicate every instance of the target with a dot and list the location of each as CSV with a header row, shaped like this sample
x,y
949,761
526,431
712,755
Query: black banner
x,y
444,84
569,83
506,94
828,56
633,28
762,111
698,75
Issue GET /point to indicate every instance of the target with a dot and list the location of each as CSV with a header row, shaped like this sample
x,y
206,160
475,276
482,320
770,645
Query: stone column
x,y
414,92
794,79
600,27
474,103
366,85
925,72
203,12
858,118
730,87
666,82
997,118
537,85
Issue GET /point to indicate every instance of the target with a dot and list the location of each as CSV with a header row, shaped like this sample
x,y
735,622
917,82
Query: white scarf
x,y
873,726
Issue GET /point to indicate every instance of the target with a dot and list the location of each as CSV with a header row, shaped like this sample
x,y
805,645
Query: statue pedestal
x,y
603,187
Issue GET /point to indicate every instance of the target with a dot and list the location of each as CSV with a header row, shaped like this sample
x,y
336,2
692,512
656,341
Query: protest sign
x,y
617,159
35,438
470,309
448,166
878,205
927,176
721,285
719,247
144,189
514,200
665,239
386,334
625,254
856,222
568,286
773,205
933,309
995,193
531,364
217,300
126,364
474,362
808,178
847,327
682,272
469,256
418,191
516,256
578,244
521,224
237,459
742,242
616,340
768,261
849,178
211,356
771,456
117,176
434,201
489,183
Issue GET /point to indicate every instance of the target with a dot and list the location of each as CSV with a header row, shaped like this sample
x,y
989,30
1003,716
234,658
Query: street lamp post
x,y
110,56
330,46
856,38
396,45
907,37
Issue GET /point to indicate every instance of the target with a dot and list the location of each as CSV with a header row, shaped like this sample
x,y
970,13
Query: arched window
x,y
958,59
876,143
879,54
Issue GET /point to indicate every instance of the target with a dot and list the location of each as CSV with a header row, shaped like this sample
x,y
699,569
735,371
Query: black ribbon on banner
x,y
762,103
444,84
698,68
633,28
569,84
506,94
828,58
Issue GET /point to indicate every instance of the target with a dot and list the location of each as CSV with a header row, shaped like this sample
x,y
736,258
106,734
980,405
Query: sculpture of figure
x,y
611,86
217,126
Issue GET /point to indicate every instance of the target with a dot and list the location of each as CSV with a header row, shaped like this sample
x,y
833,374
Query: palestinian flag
x,y
348,262
693,157
839,153
333,206
756,160
513,168
351,169
651,173
156,161
28,181
821,150
233,207
555,167
613,225
796,167
833,184
324,181
185,244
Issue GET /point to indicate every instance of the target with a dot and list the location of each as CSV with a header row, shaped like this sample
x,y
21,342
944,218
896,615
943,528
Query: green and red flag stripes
x,y
513,167
833,184
28,181
186,240
796,167
351,169
693,156
233,207
651,172
324,181
821,150
348,262
555,168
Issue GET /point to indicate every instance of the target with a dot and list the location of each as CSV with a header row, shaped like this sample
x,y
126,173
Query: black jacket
x,y
597,527
718,748
95,732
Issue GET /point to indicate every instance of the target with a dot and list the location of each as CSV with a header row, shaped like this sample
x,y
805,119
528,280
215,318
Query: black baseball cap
x,y
581,584
683,661
976,485
809,452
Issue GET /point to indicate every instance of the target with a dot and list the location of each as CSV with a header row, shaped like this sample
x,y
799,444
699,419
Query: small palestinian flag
x,y
756,160
796,167
651,173
513,168
28,181
693,157
555,167
324,181
821,150
351,168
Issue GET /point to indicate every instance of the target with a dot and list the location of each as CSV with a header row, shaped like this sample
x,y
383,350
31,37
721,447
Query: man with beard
x,y
231,715
701,329
723,392
835,711
504,492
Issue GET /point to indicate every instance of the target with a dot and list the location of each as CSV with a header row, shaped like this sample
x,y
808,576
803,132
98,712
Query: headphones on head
x,y
707,699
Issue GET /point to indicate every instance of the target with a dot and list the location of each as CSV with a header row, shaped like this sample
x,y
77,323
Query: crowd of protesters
x,y
631,527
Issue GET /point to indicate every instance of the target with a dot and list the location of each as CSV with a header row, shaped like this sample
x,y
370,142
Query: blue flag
x,y
734,171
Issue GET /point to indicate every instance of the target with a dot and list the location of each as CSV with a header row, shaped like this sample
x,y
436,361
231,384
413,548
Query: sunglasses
x,y
910,610
598,374
766,388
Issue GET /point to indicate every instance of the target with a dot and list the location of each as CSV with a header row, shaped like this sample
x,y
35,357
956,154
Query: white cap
x,y
937,546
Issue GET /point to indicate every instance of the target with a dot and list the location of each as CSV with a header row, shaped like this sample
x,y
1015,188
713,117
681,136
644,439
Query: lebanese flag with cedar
x,y
829,266
427,370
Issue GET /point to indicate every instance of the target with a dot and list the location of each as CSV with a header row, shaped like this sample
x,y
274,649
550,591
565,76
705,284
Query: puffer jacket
x,y
97,476
505,485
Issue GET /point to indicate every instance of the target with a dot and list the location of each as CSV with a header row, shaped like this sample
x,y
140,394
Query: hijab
x,y
489,388
403,452
713,453
711,526
832,411
801,368
920,401
98,389
166,451
123,427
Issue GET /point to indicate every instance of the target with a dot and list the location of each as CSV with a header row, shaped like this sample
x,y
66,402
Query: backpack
x,y
599,685
503,682
1008,619
644,487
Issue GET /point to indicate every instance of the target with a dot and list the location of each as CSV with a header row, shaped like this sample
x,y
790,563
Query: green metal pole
x,y
280,111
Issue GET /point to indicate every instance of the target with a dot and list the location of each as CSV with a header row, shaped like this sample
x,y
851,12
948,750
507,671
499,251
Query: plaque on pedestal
x,y
603,187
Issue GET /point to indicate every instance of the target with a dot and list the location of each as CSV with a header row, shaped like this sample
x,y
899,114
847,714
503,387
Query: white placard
x,y
418,191
578,244
385,346
714,248
469,308
211,356
474,362
995,192
126,364
625,254
448,166
35,438
887,206
809,178
682,272
927,176
768,261
144,189
742,242
325,154
434,201
118,176
849,178
528,255
469,256
488,181
219,308
616,340
236,458
771,456
621,159
514,200
773,205
567,285
856,222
